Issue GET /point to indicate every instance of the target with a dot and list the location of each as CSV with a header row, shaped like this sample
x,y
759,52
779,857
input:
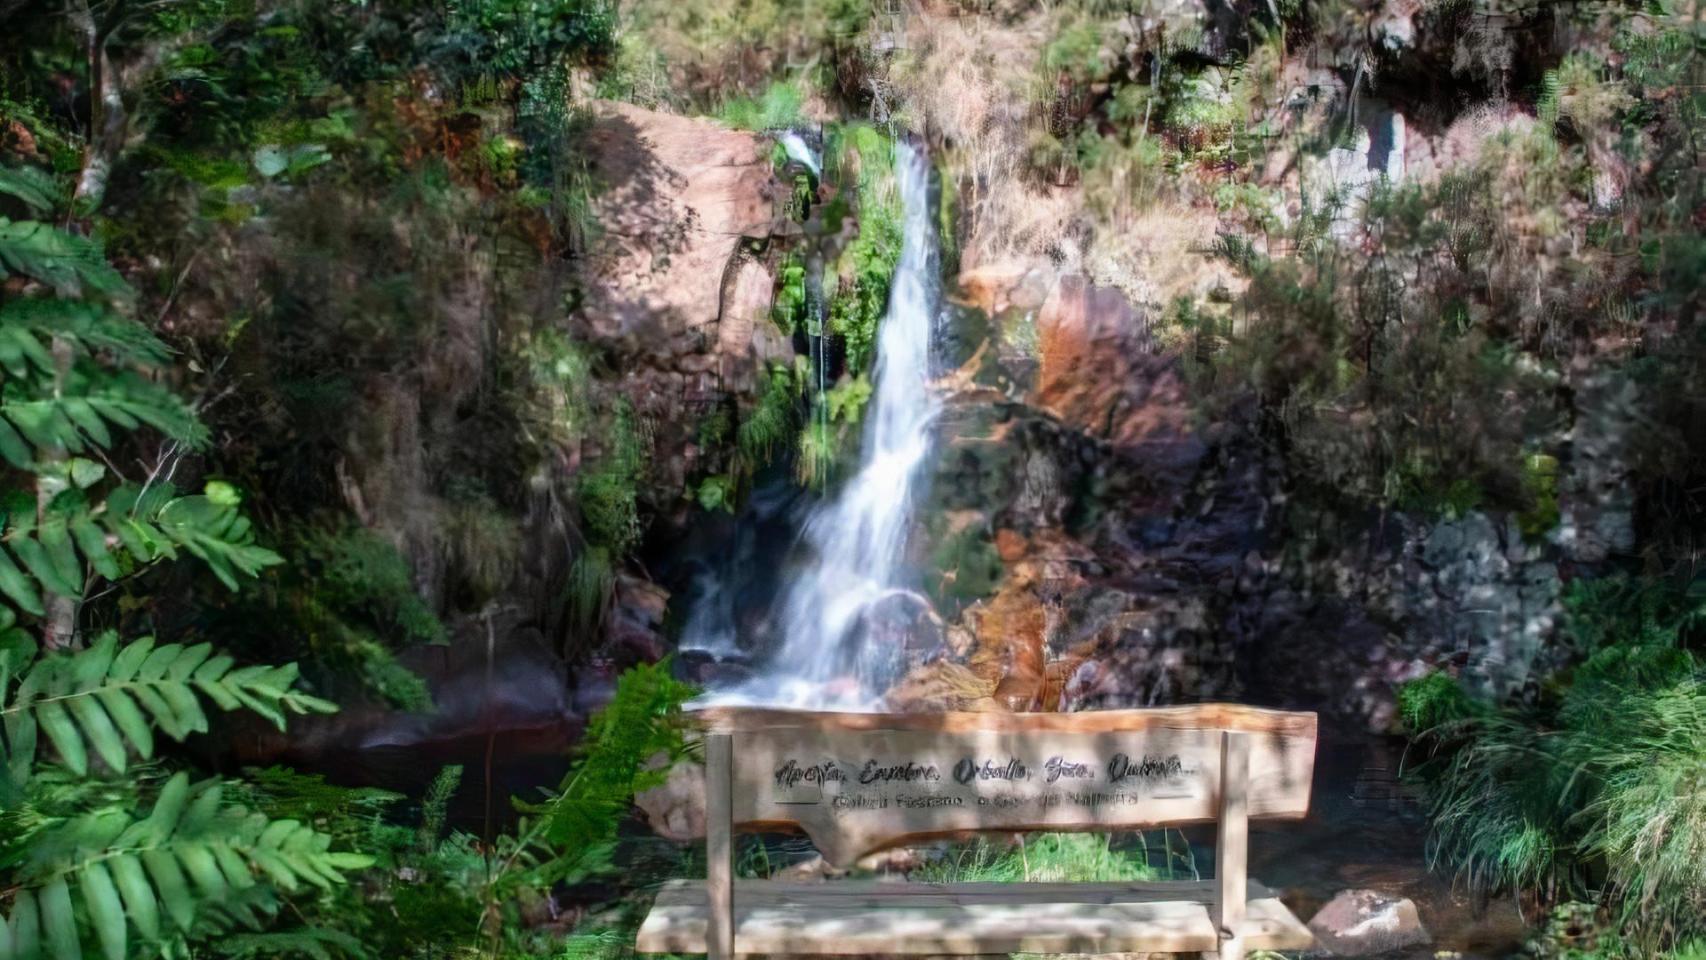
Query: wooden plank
x,y
1270,925
901,928
1217,716
880,892
1232,844
856,783
718,938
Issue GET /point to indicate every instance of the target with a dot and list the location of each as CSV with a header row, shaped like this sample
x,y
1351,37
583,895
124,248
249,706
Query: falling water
x,y
856,541
797,148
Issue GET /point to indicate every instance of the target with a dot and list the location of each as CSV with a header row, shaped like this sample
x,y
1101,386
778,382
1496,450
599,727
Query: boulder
x,y
675,292
1362,923
675,809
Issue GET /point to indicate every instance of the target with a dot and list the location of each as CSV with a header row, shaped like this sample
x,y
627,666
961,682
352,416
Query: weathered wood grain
x,y
856,783
1232,844
1201,716
719,846
854,918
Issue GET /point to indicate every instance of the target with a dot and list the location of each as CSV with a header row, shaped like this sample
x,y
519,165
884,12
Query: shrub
x,y
1599,789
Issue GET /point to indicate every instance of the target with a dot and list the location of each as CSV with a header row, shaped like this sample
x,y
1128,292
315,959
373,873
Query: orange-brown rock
x,y
1011,629
939,687
1100,371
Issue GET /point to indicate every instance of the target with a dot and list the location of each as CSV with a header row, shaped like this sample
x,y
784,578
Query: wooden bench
x,y
856,783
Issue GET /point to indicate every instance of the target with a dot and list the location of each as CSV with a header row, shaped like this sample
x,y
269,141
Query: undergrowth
x,y
1598,791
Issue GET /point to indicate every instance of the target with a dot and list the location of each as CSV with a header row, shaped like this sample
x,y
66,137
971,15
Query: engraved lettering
x,y
968,770
1122,768
1058,768
908,772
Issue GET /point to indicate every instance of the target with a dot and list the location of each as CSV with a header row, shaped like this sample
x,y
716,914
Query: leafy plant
x,y
868,263
630,746
780,107
1042,858
1593,791
128,873
771,422
108,699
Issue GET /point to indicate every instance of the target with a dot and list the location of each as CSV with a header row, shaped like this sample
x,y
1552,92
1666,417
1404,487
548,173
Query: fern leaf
x,y
83,410
34,186
106,913
191,850
55,554
107,700
29,324
58,921
70,264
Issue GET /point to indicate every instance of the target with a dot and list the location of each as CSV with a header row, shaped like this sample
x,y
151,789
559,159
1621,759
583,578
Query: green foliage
x,y
119,876
716,492
592,580
71,265
866,266
516,37
1042,858
1603,779
36,188
347,814
49,552
791,309
629,747
108,699
349,597
1632,611
845,402
772,421
609,489
815,453
358,574
1434,701
1540,486
780,107
1383,394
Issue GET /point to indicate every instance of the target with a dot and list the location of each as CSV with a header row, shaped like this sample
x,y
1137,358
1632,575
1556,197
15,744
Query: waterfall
x,y
856,542
800,151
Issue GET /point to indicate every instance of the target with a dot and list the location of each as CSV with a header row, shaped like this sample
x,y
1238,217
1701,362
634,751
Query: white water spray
x,y
797,148
857,541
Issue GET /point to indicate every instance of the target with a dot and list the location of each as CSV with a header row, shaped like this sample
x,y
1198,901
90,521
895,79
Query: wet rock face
x,y
1087,492
1096,549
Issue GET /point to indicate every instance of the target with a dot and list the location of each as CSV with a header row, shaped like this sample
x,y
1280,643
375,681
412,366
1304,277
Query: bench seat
x,y
872,917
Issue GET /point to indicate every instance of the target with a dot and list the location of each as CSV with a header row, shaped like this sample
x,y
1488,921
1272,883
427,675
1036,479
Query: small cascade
x,y
800,151
856,542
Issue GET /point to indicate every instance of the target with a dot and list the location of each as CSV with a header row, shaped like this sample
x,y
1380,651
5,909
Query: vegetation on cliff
x,y
299,391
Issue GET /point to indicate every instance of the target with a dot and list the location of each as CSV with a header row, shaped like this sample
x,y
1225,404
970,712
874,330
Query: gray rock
x,y
1362,923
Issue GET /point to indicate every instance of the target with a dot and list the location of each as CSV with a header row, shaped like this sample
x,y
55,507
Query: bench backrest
x,y
860,782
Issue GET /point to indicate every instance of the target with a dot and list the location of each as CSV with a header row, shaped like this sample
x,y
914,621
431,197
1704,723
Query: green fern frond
x,y
83,410
34,186
25,323
70,264
132,528
108,700
315,943
111,874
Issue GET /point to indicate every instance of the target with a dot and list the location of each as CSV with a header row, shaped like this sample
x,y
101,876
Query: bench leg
x,y
719,846
1232,844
